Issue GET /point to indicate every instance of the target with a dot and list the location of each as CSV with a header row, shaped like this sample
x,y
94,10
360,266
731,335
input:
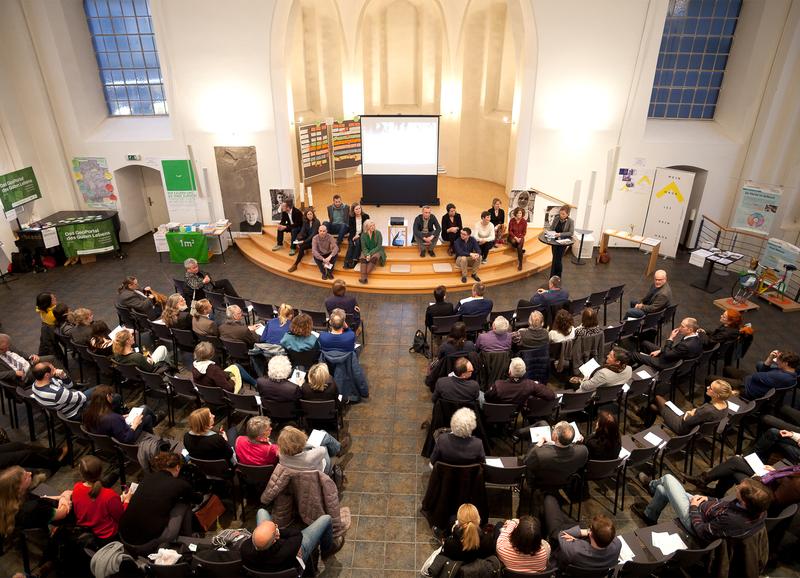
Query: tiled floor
x,y
386,475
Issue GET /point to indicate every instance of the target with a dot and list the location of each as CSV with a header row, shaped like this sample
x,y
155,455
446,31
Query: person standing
x,y
451,227
372,252
565,227
468,254
426,231
484,234
517,228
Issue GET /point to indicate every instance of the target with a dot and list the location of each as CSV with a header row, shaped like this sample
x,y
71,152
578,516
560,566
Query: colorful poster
x,y
314,149
87,238
778,253
756,209
346,143
94,181
18,188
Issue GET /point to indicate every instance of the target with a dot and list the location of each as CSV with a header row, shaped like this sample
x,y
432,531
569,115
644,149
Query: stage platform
x,y
471,196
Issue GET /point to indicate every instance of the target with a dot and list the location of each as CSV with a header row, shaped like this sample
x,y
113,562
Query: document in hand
x,y
298,377
315,439
116,330
539,432
136,411
259,329
588,368
674,408
755,462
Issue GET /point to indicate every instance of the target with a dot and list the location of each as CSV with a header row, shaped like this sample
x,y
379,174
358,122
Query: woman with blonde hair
x,y
202,442
20,509
278,326
123,353
297,454
372,252
82,332
466,541
202,324
319,385
176,313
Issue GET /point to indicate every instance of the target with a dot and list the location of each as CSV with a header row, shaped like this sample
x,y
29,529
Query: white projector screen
x,y
399,145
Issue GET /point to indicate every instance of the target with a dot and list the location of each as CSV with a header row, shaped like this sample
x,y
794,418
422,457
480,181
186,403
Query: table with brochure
x,y
184,241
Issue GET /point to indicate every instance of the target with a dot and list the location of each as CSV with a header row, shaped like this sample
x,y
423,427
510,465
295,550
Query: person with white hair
x,y
498,339
235,328
551,462
517,389
198,282
276,387
459,446
532,336
250,219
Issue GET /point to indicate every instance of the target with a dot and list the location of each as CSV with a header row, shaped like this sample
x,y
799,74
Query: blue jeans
x,y
246,377
318,533
331,444
633,312
668,490
338,229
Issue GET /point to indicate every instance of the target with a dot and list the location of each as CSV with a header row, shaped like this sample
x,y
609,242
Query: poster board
x,y
18,187
95,182
756,208
87,238
313,146
669,201
237,169
180,190
346,143
778,253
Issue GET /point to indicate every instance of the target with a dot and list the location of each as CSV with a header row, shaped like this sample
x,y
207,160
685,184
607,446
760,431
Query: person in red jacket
x,y
517,228
96,507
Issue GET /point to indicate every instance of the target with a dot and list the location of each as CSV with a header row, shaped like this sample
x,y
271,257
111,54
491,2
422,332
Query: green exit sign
x,y
134,157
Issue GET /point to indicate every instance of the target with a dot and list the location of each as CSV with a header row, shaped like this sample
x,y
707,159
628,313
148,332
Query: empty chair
x,y
777,527
575,402
215,397
708,431
217,301
263,311
238,352
499,418
180,287
319,319
243,403
630,329
523,314
303,359
321,415
635,569
684,373
596,300
184,388
103,447
253,478
441,326
683,561
504,478
613,295
576,306
598,470
668,318
637,458
154,384
677,445
611,336
162,334
648,330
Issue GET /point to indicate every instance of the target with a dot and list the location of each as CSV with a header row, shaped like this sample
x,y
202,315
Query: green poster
x,y
185,245
18,188
87,238
178,175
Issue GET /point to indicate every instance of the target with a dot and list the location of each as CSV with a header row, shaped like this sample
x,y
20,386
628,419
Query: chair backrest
x,y
442,325
665,375
103,362
280,410
179,570
761,401
264,311
231,300
575,400
289,573
474,322
100,441
183,387
601,469
734,418
498,412
74,427
686,367
640,387
595,300
611,334
129,372
215,568
125,317
639,456
216,469
504,476
319,319
319,410
255,475
236,349
184,338
630,327
573,571
217,300
679,443
607,394
303,358
669,314
161,331
576,306
711,428
131,451
211,395
553,310
786,514
180,286
542,408
688,558
634,569
537,363
154,381
614,293
651,321
523,314
509,315
243,402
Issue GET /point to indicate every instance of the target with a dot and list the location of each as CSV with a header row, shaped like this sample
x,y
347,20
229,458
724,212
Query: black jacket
x,y
282,555
351,224
682,348
452,449
442,309
456,390
297,219
433,226
551,465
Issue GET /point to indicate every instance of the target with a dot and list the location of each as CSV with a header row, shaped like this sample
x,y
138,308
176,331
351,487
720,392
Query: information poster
x,y
669,200
87,238
18,188
94,181
313,146
346,144
756,209
180,190
778,253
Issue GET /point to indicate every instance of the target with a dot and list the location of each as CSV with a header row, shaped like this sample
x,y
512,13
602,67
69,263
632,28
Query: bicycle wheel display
x,y
744,287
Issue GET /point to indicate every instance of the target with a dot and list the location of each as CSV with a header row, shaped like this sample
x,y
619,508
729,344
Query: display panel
x,y
400,145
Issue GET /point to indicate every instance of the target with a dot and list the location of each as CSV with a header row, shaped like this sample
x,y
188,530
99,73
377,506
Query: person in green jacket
x,y
372,251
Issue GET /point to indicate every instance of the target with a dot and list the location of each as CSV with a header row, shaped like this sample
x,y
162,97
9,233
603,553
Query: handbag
x,y
210,512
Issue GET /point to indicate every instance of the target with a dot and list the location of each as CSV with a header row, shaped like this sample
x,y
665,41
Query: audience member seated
x,y
319,385
605,442
100,342
30,455
276,387
520,546
356,226
340,300
175,313
484,233
278,326
551,463
202,324
553,295
141,300
206,372
202,442
719,391
709,518
272,549
235,329
65,320
592,547
96,507
425,231
255,449
467,542
535,335
324,250
300,336
124,354
589,324
15,366
498,339
372,251
562,328
456,341
468,255
476,304
338,219
728,330
778,371
295,453
198,282
307,233
459,446
683,343
22,509
82,332
516,389
291,220
100,418
340,337
615,371
52,388
45,305
439,307
460,387
784,481
658,298
160,509
784,441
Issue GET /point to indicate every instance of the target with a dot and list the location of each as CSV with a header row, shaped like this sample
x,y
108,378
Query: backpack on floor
x,y
420,344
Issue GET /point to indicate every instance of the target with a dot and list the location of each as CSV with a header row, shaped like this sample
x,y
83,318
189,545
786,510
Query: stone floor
x,y
386,475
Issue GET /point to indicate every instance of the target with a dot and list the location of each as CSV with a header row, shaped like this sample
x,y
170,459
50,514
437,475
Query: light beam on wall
x,y
577,110
231,109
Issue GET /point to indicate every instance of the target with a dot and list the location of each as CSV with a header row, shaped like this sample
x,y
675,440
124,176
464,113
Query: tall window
x,y
124,43
694,52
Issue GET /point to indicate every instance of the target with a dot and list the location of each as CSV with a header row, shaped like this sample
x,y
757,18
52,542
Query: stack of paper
x,y
678,411
315,439
755,462
698,258
668,543
642,374
625,553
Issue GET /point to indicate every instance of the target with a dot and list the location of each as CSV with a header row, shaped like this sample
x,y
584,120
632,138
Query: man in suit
x,y
234,329
476,304
683,343
459,388
426,231
440,307
658,297
291,221
550,464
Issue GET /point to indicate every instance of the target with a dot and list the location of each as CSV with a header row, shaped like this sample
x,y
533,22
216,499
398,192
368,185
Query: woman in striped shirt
x,y
520,546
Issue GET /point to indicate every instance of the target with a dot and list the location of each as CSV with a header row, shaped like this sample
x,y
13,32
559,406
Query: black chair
x,y
573,571
350,319
761,405
649,328
613,295
180,287
85,360
204,567
129,452
611,336
668,318
523,314
504,478
217,301
242,304
509,315
724,354
596,300
663,385
637,458
290,573
215,397
684,560
441,326
178,570
184,341
676,445
499,419
263,311
74,433
634,569
253,478
321,415
537,363
598,470
66,347
575,402
708,431
604,395
732,425
576,306
105,368
220,473
184,388
154,385
777,528
684,373
475,324
125,317
238,352
162,334
243,403
103,447
548,573
220,355
130,378
319,319
280,413
702,368
630,329
304,359
553,310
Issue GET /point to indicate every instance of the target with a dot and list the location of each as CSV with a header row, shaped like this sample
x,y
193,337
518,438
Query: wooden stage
x,y
471,196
